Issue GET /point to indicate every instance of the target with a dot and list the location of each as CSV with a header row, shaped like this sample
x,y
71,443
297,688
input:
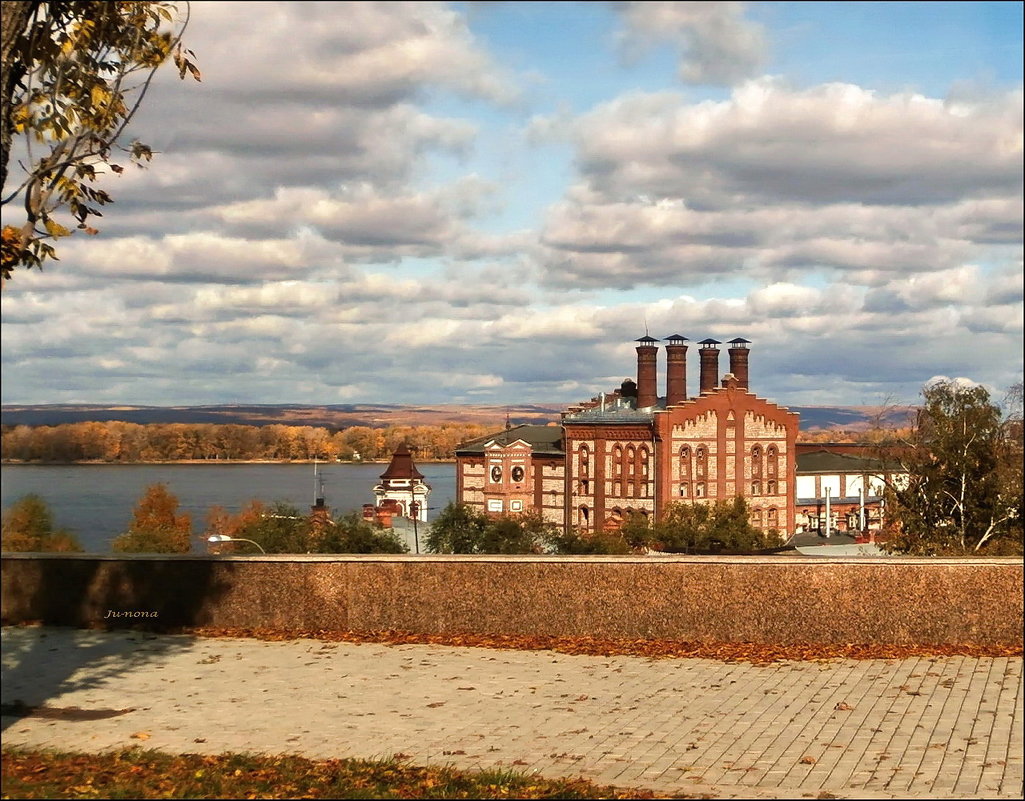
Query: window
x,y
773,517
699,489
771,487
686,468
496,474
517,474
515,506
772,462
583,516
756,487
585,461
641,475
756,462
631,464
495,505
684,489
702,462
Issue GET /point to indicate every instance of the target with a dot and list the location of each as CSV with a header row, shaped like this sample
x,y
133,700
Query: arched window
x,y
583,517
686,468
699,489
617,462
585,462
684,489
771,487
756,518
772,462
756,462
641,474
701,455
773,517
756,487
631,457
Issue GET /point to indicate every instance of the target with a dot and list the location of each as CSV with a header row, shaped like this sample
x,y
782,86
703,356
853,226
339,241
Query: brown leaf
x,y
807,760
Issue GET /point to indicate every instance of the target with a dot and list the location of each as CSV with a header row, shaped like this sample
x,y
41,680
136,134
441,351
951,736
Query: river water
x,y
95,501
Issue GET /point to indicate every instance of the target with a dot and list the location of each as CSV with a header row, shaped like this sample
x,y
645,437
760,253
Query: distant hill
x,y
813,418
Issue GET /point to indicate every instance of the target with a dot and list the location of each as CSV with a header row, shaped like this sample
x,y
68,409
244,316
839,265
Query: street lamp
x,y
215,538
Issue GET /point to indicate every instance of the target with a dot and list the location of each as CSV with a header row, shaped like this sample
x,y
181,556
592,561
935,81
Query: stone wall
x,y
779,599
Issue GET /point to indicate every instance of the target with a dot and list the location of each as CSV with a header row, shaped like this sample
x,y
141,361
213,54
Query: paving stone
x,y
916,728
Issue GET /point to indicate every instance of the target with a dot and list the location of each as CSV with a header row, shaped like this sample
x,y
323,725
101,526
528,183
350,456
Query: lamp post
x,y
414,510
215,538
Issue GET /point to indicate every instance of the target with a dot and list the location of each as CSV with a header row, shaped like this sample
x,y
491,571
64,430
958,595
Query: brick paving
x,y
939,727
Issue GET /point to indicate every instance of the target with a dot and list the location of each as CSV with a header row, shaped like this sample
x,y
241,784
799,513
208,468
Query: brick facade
x,y
627,452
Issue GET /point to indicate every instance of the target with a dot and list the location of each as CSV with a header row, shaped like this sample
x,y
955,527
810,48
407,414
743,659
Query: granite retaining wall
x,y
883,600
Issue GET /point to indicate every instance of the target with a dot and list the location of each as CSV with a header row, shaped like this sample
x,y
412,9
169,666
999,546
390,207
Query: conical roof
x,y
401,465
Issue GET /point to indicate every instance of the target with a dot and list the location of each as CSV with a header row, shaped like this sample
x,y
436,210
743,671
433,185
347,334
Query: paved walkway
x,y
925,727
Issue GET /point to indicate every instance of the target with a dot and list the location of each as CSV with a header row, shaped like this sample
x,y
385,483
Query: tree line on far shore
x,y
963,460
119,442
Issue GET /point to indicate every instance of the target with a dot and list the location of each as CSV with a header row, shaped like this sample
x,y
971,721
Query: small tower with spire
x,y
403,487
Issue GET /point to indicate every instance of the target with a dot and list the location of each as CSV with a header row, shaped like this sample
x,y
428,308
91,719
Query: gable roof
x,y
541,439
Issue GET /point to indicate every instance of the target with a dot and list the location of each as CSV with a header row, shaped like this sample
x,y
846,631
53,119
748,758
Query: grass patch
x,y
138,773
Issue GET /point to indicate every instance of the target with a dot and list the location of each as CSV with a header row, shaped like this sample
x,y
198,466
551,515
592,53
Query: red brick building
x,y
633,451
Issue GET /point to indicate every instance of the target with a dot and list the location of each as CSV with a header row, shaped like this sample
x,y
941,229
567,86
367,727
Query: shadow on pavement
x,y
78,599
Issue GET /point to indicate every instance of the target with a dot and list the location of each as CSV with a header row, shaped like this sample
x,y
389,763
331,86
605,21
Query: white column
x,y
828,521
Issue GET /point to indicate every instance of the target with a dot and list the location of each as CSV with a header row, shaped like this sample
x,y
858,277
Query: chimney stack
x,y
738,360
709,364
676,369
647,373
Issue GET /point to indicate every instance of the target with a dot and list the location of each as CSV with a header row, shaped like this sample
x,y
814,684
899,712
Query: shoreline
x,y
17,462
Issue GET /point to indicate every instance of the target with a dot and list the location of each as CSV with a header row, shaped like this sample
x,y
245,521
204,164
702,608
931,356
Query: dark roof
x,y
678,336
827,462
541,439
401,465
740,341
710,341
646,339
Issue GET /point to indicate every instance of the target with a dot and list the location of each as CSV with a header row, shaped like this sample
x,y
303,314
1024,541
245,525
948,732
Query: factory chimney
x,y
738,360
647,374
676,369
709,364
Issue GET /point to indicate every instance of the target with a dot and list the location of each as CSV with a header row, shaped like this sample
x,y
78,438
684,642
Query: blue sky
x,y
487,202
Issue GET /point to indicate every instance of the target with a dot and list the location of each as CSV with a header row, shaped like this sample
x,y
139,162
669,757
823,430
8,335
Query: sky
x,y
487,203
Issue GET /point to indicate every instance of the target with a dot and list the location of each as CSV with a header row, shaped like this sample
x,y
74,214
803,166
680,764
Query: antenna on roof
x,y
508,424
318,485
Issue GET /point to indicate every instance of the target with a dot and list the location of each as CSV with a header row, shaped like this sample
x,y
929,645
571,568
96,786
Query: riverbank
x,y
210,462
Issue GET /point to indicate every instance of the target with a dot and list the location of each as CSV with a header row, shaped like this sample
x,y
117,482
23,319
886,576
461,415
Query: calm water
x,y
95,501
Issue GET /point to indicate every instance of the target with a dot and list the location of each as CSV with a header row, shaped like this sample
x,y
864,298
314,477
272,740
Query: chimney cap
x,y
710,343
678,337
646,340
740,341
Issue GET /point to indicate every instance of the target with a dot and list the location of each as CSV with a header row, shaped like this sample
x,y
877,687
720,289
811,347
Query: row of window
x,y
630,471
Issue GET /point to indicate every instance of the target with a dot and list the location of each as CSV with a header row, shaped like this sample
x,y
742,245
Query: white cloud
x,y
717,44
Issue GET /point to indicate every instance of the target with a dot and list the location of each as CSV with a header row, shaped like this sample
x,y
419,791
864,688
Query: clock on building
x,y
496,474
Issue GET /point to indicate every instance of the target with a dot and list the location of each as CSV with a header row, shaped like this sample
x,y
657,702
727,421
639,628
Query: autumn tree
x,y
156,526
73,76
28,526
460,528
963,492
700,527
281,528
